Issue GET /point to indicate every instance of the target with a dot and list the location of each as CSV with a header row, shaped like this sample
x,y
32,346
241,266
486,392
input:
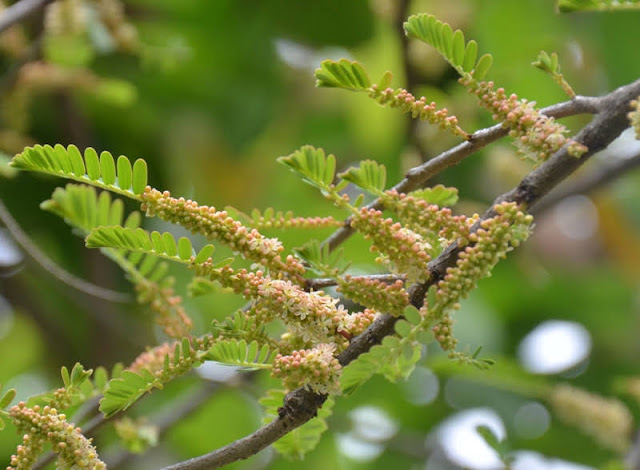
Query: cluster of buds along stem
x,y
486,246
418,108
375,294
315,369
536,135
314,316
47,425
287,220
605,419
167,307
404,250
430,221
218,225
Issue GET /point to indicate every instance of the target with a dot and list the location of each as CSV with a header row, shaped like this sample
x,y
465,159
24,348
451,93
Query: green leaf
x,y
315,167
470,56
92,162
451,45
322,260
370,176
124,172
238,353
385,80
108,168
184,248
342,74
403,328
482,67
7,398
139,176
438,195
66,379
123,392
79,375
303,439
412,315
96,171
204,254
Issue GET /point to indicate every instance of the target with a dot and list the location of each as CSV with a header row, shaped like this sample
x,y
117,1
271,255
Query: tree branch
x,y
55,270
595,180
419,175
301,405
20,11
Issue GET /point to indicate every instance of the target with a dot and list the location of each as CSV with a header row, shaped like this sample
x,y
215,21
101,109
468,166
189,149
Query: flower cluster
x,y
47,425
405,249
168,310
219,225
153,358
419,108
537,136
634,116
375,294
429,220
354,324
287,220
26,453
488,245
315,369
313,316
605,419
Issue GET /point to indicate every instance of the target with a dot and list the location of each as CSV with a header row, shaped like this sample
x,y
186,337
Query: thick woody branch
x,y
301,405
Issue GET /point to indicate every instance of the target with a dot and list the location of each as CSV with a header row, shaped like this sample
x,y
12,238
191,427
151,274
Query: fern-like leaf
x,y
249,356
124,391
321,260
342,74
438,195
160,244
302,440
126,388
394,358
316,168
451,45
84,209
370,176
101,171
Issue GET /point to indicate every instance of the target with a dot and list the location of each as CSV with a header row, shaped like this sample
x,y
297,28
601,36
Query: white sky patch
x,y
555,346
462,443
10,254
373,424
422,386
299,56
527,460
358,449
217,372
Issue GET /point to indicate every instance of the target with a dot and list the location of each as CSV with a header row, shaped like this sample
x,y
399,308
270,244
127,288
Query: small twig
x,y
55,270
595,180
20,11
319,283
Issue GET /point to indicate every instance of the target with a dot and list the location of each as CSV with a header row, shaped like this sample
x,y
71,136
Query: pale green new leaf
x,y
370,176
450,44
321,259
315,167
232,352
342,74
303,439
139,240
100,171
438,195
124,391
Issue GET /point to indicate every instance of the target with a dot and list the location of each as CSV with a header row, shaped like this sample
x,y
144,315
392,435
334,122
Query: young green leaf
x,y
315,167
93,170
342,74
370,176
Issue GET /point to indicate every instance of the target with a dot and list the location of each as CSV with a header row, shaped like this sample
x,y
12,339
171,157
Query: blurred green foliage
x,y
224,88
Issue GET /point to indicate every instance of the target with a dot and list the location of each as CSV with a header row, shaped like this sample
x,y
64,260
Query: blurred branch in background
x,y
19,11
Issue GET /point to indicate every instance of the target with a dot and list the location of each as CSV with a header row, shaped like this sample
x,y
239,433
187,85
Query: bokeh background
x,y
219,90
